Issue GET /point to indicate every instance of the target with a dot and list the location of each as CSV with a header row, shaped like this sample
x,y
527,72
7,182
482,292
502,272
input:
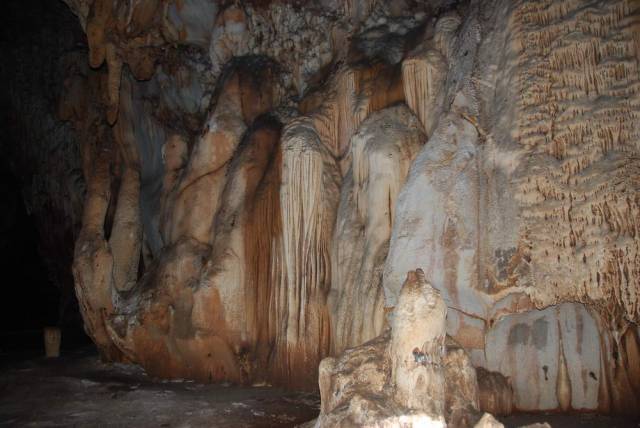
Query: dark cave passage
x,y
40,172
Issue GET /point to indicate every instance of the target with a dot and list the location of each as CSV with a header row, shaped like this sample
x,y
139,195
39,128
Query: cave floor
x,y
79,390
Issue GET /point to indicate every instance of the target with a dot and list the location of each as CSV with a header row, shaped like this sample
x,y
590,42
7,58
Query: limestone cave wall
x,y
261,177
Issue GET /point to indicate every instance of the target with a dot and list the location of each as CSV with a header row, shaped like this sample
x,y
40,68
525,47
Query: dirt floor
x,y
77,390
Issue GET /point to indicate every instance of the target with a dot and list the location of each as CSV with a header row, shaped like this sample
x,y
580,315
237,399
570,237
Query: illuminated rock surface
x,y
262,176
520,194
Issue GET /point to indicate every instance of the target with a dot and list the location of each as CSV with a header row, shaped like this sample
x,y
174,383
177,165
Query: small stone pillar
x,y
52,339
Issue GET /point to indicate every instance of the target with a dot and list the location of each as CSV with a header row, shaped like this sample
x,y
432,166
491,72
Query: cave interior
x,y
330,213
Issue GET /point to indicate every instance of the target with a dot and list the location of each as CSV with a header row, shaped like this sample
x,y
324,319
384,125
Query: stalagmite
x,y
407,376
417,347
423,77
280,168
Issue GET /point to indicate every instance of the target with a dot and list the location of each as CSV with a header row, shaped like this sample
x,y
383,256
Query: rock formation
x,y
262,176
397,378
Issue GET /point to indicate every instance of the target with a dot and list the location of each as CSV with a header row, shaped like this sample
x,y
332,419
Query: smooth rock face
x,y
261,178
537,341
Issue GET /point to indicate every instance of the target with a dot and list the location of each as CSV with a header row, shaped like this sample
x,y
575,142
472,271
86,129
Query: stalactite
x,y
423,77
559,71
125,241
141,62
619,394
351,95
114,64
235,265
445,34
524,197
309,198
263,248
99,15
207,279
443,218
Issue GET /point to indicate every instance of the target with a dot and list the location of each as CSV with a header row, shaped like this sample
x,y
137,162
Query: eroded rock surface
x,y
404,377
261,177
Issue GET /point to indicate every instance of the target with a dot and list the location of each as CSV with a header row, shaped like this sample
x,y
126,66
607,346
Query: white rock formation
x,y
324,152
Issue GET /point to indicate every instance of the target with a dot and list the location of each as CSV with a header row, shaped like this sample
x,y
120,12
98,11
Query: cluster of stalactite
x,y
528,223
241,291
287,226
579,79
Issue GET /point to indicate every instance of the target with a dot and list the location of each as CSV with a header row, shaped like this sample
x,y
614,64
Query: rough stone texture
x,y
406,376
488,421
515,211
261,176
494,392
462,387
417,346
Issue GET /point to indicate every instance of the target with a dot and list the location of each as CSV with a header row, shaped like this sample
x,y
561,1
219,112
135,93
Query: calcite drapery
x,y
492,144
495,239
381,152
